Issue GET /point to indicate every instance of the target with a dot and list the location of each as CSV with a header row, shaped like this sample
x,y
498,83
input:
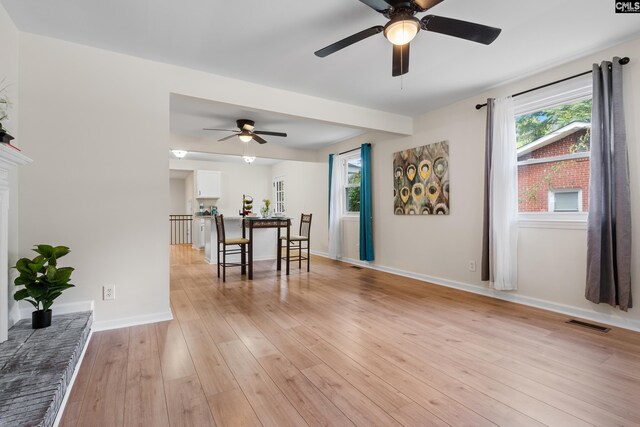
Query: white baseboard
x,y
74,307
63,308
73,380
105,325
320,253
606,318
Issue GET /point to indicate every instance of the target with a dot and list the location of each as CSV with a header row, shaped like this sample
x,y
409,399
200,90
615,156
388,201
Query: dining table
x,y
250,223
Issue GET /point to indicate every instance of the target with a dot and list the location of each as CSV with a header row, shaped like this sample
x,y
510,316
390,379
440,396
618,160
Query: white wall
x,y
236,179
177,197
306,191
552,262
96,125
9,58
189,193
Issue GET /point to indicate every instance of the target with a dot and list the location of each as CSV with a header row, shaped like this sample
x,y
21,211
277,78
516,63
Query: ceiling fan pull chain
x,y
402,71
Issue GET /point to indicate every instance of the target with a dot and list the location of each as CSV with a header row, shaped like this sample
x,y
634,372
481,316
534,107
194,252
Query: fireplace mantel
x,y
9,159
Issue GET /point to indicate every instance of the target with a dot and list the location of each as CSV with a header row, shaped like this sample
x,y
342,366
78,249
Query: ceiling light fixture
x,y
245,136
401,30
179,153
247,154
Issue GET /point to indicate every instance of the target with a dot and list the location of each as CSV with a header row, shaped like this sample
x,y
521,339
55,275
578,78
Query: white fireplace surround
x,y
9,159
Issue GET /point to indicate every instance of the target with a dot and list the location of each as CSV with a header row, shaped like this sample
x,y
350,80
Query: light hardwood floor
x,y
346,346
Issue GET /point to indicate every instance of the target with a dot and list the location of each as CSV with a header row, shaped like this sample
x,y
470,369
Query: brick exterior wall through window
x,y
535,181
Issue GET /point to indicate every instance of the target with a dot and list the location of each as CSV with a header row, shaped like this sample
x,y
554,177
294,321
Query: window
x,y
352,169
565,201
278,194
553,142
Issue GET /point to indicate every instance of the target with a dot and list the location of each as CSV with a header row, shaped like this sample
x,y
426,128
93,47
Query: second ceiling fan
x,y
403,27
246,132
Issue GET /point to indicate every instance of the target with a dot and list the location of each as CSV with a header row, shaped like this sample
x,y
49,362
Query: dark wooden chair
x,y
298,243
226,247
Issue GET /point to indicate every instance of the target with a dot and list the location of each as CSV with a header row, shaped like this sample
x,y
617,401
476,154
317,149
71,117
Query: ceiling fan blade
x,y
424,5
377,5
228,137
222,130
348,41
259,140
264,132
400,60
461,29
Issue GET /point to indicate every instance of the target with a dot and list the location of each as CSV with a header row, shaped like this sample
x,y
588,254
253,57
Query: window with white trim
x,y
352,168
278,194
565,200
553,128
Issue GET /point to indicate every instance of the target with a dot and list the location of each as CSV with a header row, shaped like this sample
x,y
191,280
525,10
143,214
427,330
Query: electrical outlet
x,y
472,265
109,292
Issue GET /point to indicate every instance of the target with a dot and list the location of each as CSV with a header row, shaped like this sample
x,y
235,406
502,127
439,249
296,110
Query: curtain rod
x,y
621,61
353,149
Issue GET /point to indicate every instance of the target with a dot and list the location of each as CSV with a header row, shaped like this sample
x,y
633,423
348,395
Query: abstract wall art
x,y
421,180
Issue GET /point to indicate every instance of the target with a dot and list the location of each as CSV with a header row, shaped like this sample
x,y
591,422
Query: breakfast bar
x,y
252,223
263,233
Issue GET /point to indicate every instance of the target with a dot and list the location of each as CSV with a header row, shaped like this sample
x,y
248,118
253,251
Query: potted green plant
x,y
43,281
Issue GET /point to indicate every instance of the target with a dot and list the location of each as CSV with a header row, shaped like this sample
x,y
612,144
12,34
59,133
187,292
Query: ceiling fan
x,y
403,27
246,132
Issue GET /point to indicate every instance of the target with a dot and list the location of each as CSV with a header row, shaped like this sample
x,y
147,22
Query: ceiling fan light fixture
x,y
248,159
245,137
401,31
179,153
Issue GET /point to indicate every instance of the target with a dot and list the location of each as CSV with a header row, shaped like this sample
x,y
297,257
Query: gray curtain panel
x,y
486,230
609,224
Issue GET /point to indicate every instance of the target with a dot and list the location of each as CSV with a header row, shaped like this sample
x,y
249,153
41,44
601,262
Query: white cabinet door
x,y
207,184
198,233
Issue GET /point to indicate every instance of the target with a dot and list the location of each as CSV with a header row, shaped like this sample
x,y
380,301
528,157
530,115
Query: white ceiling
x,y
220,158
190,115
272,42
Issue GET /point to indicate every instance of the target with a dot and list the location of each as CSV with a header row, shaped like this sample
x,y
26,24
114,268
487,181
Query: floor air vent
x,y
588,325
356,267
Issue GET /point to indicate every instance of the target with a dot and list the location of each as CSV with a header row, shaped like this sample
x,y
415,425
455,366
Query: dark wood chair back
x,y
220,228
225,248
305,224
298,244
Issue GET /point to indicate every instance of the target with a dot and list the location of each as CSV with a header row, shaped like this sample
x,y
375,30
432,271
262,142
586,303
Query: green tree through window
x,y
352,190
532,126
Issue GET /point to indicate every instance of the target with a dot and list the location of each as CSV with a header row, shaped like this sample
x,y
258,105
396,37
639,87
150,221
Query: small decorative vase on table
x,y
43,282
266,211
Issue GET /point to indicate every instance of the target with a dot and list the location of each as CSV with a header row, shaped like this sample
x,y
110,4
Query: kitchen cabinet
x,y
207,184
198,233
